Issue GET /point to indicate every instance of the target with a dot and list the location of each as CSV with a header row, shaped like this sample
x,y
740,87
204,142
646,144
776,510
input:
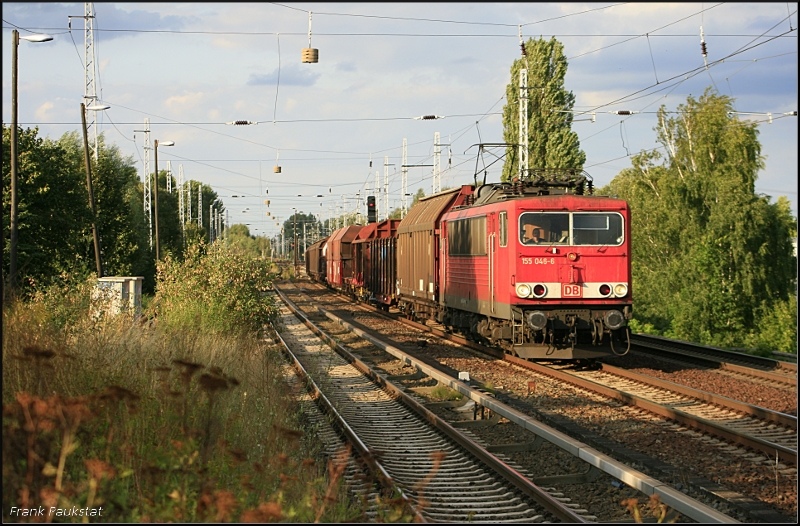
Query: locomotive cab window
x,y
578,228
544,228
597,229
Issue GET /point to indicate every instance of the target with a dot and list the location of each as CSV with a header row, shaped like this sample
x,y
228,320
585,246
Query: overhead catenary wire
x,y
458,137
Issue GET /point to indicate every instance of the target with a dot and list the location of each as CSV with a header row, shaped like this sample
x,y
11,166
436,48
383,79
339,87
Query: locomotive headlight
x,y
523,290
537,320
614,319
620,290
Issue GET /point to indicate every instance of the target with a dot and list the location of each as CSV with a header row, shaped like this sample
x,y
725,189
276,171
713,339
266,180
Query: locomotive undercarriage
x,y
536,334
563,334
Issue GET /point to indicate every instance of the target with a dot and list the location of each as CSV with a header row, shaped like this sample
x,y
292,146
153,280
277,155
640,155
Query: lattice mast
x,y
90,73
405,179
523,112
437,164
148,191
181,211
386,187
377,195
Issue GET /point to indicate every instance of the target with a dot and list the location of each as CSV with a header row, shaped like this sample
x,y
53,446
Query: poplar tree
x,y
551,141
712,260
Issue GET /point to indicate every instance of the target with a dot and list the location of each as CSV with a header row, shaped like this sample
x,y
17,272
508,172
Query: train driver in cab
x,y
532,235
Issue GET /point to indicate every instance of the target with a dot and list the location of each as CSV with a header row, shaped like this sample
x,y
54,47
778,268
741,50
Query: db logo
x,y
571,291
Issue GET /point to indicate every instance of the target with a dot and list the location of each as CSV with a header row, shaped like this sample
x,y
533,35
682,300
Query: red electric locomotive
x,y
534,267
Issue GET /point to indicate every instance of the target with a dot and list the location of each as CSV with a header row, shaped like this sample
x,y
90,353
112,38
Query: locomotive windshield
x,y
578,228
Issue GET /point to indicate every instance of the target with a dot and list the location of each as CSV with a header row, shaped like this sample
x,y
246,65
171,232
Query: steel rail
x,y
675,499
762,413
786,454
507,472
760,367
363,450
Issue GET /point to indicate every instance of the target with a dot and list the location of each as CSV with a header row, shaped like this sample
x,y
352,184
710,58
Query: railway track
x,y
677,500
761,429
441,480
769,432
767,370
757,508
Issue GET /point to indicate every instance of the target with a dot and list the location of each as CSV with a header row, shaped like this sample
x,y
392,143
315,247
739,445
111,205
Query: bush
x,y
215,290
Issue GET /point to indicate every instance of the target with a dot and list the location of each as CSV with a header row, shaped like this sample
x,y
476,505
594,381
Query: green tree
x,y
117,192
711,258
551,141
53,209
312,229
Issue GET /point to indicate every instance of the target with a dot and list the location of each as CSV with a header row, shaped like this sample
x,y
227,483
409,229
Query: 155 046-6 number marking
x,y
538,261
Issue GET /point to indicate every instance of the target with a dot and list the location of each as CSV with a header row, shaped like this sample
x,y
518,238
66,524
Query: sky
x,y
192,67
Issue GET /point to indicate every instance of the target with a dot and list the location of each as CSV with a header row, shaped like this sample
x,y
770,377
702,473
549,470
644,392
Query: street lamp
x,y
14,226
155,186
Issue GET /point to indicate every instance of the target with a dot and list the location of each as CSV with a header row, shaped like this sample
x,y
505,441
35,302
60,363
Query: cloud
x,y
291,75
346,66
187,100
41,111
107,17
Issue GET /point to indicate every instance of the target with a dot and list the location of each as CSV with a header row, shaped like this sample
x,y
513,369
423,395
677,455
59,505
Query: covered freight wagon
x,y
339,260
315,260
418,257
375,274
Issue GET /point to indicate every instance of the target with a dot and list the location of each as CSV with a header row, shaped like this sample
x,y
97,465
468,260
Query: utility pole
x,y
404,194
211,223
304,240
95,232
199,205
12,260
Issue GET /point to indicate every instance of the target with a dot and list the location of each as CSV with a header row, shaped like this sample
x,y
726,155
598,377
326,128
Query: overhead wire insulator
x,y
309,55
703,49
428,117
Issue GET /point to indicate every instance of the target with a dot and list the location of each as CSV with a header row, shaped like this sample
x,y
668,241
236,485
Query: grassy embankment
x,y
181,415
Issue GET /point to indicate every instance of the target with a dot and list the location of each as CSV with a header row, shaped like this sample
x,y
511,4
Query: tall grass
x,y
181,415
